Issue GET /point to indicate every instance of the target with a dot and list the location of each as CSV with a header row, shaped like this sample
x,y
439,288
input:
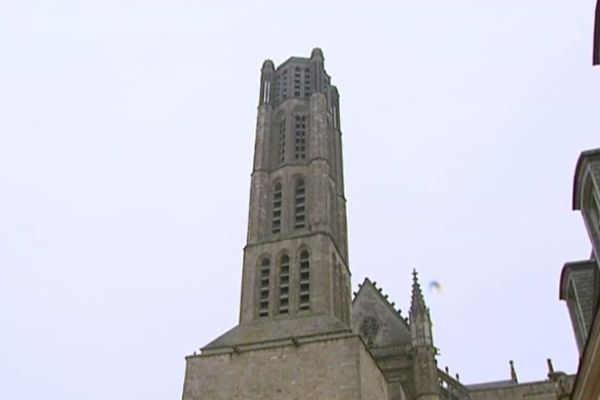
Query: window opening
x,y
369,329
277,194
300,137
284,284
300,205
307,82
264,283
297,82
282,140
304,281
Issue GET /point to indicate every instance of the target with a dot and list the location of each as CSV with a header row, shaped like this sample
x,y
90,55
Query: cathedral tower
x,y
296,257
294,338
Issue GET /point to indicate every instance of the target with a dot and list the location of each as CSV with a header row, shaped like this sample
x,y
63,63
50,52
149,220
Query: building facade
x,y
580,281
301,334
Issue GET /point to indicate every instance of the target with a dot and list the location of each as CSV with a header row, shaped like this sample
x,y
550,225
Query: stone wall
x,y
327,369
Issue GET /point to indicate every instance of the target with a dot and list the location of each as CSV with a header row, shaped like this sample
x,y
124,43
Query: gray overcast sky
x,y
126,139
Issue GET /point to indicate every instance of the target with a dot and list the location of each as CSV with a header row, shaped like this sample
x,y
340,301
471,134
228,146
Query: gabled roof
x,y
371,301
584,158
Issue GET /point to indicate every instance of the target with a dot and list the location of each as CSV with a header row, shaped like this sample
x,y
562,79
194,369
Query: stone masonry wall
x,y
332,369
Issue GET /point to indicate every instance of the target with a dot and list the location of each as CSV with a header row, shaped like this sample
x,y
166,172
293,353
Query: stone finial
x,y
513,372
417,301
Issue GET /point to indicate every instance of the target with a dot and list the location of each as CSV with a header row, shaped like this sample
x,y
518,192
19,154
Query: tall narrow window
x,y
285,84
300,205
306,82
277,193
300,137
264,283
297,82
304,281
282,140
284,284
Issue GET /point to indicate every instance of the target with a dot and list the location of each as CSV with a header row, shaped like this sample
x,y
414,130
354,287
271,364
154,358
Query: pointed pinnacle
x,y
417,302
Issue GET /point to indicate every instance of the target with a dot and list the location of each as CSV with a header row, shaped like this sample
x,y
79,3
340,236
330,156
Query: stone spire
x,y
417,302
420,321
425,366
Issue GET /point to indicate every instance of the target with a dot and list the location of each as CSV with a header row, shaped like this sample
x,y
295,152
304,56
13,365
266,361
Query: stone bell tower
x,y
294,338
296,257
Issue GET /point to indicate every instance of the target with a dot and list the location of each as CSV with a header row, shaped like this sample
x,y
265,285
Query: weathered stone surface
x,y
327,369
300,336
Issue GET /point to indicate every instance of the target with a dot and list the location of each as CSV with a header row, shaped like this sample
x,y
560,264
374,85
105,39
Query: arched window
x,y
282,140
304,303
300,137
300,205
284,284
277,193
264,284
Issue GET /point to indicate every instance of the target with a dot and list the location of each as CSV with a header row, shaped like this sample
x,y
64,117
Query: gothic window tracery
x,y
369,329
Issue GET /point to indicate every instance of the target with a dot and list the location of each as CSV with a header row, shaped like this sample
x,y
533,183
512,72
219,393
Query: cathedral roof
x,y
367,283
370,303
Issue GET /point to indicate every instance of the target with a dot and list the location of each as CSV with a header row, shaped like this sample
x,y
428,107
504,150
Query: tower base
x,y
319,368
